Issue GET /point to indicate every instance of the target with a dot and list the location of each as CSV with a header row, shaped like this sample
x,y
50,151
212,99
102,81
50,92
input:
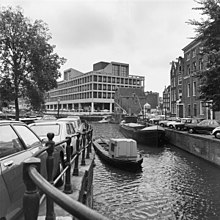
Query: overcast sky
x,y
146,34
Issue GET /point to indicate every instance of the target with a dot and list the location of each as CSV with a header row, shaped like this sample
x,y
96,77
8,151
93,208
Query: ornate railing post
x,y
88,142
83,162
76,166
50,214
68,186
31,197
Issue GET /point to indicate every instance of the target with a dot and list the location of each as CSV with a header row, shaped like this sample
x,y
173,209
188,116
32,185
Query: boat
x,y
119,152
142,133
106,119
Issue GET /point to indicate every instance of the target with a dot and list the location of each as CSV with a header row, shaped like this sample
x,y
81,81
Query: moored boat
x,y
120,153
143,134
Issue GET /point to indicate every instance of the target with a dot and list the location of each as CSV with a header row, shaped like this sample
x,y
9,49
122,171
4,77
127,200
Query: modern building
x,y
92,91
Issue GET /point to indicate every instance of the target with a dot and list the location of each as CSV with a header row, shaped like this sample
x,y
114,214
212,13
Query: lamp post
x,y
58,107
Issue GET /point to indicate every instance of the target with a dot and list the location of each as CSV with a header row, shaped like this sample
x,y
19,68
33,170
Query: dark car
x,y
203,127
17,143
182,125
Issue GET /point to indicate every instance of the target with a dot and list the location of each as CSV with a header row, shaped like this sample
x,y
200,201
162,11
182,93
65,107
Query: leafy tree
x,y
27,61
208,32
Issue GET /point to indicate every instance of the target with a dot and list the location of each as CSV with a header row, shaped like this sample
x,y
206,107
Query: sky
x,y
146,34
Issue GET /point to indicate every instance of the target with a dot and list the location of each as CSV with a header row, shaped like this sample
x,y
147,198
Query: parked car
x,y
61,130
18,143
203,127
173,124
216,132
76,120
182,125
164,123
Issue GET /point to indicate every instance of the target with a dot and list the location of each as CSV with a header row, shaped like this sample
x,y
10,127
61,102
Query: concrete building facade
x,y
92,91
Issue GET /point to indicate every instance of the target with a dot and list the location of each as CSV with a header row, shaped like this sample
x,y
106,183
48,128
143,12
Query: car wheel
x,y
162,125
59,171
178,128
171,126
191,130
217,134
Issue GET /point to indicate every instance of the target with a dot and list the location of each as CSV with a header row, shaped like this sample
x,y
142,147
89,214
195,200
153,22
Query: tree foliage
x,y
208,32
28,62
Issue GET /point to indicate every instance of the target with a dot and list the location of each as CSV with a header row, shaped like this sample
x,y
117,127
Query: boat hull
x,y
153,135
129,165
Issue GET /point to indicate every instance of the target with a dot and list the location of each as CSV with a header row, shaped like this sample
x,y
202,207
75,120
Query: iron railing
x,y
34,180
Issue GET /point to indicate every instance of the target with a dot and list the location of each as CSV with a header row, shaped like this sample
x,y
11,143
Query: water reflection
x,y
172,185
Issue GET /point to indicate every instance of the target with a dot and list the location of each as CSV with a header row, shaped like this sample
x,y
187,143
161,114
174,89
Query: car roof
x,y
11,122
48,123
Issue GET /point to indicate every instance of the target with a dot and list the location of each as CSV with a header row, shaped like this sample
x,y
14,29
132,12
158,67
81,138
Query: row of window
x,y
101,78
86,95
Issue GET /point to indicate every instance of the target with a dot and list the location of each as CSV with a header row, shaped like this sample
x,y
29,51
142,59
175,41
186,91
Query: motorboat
x,y
119,152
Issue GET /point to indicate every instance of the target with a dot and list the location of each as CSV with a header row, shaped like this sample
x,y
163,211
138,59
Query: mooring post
x,y
68,186
50,214
31,199
76,166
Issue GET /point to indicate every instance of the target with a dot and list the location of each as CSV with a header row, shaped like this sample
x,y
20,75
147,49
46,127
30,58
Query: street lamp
x,y
58,108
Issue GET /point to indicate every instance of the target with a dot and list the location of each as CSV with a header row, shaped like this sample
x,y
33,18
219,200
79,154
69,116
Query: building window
x,y
188,70
115,70
201,108
194,53
188,90
189,113
194,109
180,80
188,56
194,66
201,64
194,88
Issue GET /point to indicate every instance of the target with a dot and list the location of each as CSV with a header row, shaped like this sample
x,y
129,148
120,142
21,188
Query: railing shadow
x,y
36,183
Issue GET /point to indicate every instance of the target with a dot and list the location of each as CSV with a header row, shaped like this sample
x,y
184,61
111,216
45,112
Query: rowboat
x,y
120,153
152,134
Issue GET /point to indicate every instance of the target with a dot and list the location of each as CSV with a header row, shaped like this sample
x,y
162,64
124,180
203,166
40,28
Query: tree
x,y
208,32
27,61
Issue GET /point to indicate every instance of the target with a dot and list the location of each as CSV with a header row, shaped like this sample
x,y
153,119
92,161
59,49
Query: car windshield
x,y
42,130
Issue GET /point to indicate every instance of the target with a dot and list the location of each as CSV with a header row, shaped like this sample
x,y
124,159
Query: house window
x,y
188,56
201,108
188,70
180,80
194,109
189,113
194,53
188,90
194,88
201,64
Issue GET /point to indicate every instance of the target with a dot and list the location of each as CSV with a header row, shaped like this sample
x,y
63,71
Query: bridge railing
x,y
34,181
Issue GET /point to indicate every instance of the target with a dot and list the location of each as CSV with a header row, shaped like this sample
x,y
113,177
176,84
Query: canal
x,y
173,184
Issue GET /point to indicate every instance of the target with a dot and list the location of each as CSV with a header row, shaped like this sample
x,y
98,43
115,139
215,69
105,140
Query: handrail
x,y
75,208
34,181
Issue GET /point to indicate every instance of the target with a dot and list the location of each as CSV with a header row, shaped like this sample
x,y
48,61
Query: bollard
x,y
76,166
50,214
31,199
68,186
83,162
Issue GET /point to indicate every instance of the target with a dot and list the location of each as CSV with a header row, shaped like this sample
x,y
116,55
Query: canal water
x,y
173,184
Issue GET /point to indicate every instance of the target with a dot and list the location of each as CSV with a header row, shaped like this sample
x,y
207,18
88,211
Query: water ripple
x,y
173,185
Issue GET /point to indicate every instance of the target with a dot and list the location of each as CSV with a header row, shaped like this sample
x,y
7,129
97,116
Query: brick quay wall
x,y
203,146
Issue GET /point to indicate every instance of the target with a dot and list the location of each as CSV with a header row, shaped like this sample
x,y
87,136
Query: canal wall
x,y
203,146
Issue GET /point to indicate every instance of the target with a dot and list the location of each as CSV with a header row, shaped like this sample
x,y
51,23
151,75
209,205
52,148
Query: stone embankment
x,y
203,146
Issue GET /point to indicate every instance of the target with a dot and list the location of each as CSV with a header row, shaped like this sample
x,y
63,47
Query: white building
x,y
93,91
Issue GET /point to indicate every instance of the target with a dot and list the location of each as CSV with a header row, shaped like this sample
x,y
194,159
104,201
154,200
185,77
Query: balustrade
x,y
33,180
